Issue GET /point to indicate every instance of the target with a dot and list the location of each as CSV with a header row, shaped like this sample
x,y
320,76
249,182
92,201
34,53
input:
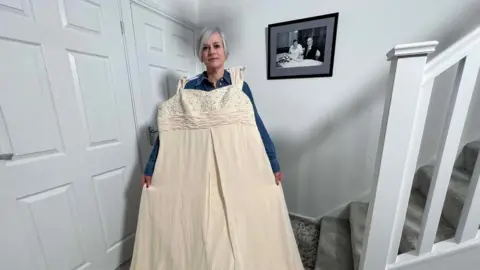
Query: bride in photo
x,y
296,50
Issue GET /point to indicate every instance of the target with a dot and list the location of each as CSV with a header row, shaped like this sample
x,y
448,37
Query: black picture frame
x,y
316,62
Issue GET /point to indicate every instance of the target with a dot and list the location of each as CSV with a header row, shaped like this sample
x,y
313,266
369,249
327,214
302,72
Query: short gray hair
x,y
205,35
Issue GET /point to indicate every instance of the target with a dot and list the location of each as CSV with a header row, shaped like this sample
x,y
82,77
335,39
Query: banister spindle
x,y
457,114
402,128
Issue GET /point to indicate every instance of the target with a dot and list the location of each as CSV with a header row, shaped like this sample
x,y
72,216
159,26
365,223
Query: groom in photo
x,y
310,51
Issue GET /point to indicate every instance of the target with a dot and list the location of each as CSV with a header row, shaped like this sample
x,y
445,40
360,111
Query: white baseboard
x,y
304,217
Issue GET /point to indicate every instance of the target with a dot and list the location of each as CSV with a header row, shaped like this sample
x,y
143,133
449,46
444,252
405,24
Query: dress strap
x,y
237,74
181,84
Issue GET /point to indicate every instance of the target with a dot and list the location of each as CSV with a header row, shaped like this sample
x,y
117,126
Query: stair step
x,y
411,229
334,246
457,191
413,221
470,154
467,157
358,217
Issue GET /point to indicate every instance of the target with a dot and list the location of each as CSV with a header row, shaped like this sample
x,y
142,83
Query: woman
x,y
213,54
213,202
295,50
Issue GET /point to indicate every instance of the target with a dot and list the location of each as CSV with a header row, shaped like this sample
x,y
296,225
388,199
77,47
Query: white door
x,y
164,50
66,115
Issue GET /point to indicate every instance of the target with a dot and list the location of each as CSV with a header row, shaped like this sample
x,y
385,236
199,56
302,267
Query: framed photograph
x,y
302,48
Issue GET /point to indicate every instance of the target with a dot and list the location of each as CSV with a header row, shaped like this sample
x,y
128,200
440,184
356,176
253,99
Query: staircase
x,y
340,241
415,219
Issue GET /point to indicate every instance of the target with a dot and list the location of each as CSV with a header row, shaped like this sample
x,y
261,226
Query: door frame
x,y
125,7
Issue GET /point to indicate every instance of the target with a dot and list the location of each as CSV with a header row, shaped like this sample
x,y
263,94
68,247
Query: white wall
x,y
186,10
326,129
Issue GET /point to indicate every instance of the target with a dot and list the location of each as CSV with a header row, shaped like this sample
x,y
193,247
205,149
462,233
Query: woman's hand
x,y
146,180
278,178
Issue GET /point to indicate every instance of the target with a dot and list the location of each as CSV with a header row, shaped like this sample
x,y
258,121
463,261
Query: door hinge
x,y
122,27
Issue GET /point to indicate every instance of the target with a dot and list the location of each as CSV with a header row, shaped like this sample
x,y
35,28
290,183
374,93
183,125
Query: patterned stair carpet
x,y
306,234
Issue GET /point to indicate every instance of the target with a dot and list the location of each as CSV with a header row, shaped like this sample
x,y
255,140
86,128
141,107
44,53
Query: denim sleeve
x,y
152,159
267,141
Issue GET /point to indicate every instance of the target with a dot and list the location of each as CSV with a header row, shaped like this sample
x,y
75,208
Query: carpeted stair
x,y
340,241
335,243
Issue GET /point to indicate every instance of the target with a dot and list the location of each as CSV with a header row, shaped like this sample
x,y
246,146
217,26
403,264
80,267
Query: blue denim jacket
x,y
201,83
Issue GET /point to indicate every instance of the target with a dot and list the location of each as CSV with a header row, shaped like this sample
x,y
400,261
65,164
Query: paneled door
x,y
163,48
69,173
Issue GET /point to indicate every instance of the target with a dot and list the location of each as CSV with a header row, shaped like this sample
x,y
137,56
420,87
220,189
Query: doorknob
x,y
8,156
152,135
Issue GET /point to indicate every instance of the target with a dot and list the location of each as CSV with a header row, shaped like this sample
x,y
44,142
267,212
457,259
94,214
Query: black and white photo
x,y
302,48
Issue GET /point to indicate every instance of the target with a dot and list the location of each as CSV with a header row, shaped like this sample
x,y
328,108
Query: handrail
x,y
451,56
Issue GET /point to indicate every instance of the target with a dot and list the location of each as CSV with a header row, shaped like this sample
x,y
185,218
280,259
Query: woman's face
x,y
295,43
213,53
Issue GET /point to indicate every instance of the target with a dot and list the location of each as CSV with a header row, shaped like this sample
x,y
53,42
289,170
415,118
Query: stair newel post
x,y
405,112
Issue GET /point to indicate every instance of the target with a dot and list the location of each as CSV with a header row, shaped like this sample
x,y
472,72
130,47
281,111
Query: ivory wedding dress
x,y
213,203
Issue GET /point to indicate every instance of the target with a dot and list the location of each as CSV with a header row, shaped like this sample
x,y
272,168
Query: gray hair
x,y
205,35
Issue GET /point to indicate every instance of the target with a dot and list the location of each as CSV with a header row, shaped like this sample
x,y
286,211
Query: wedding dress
x,y
213,203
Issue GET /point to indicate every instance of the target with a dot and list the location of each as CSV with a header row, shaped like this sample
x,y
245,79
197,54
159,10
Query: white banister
x,y
403,123
452,55
463,91
470,219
